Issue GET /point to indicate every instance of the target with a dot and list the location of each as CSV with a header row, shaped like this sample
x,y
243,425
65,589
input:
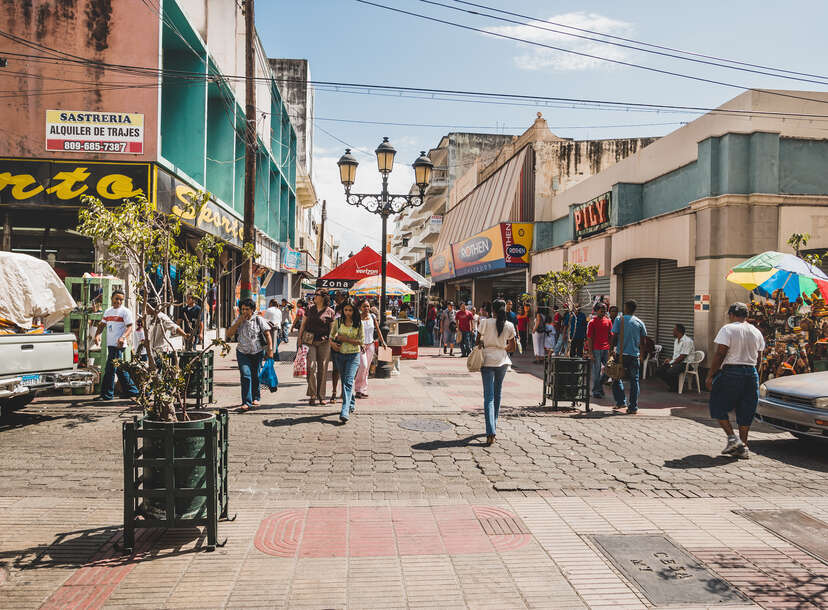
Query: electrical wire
x,y
582,53
535,24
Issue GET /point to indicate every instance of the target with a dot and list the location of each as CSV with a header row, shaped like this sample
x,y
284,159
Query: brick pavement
x,y
374,515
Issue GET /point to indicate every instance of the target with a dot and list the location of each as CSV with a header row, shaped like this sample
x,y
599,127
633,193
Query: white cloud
x,y
533,57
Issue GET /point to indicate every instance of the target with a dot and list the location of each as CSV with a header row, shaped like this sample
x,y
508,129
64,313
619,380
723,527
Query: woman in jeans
x,y
253,341
315,332
346,342
370,332
497,336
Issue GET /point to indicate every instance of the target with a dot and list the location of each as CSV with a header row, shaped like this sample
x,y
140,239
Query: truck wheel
x,y
18,402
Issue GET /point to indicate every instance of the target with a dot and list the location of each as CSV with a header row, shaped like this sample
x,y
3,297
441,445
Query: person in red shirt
x,y
598,346
523,326
464,320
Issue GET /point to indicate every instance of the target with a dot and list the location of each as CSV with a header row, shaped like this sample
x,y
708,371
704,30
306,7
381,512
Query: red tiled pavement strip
x,y
367,531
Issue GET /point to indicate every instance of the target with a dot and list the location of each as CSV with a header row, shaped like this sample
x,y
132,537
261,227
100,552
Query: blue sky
x,y
347,41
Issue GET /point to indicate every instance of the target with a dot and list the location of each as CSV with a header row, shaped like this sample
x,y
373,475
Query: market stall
x,y
788,304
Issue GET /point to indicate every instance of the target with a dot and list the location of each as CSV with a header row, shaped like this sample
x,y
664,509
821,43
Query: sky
x,y
352,42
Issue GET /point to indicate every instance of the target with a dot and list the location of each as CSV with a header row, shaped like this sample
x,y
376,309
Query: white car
x,y
797,404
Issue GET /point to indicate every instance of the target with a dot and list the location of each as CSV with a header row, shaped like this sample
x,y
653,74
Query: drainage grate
x,y
424,425
430,381
798,528
665,572
497,522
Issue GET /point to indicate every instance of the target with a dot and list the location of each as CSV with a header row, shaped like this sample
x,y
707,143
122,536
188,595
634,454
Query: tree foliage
x,y
798,241
133,237
564,285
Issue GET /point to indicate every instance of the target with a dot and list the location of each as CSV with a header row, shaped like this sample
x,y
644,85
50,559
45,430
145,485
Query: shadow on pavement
x,y
295,421
699,460
459,442
811,455
16,419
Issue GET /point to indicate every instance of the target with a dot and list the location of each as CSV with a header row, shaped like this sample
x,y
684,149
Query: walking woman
x,y
523,318
315,332
539,337
497,336
253,341
370,333
347,341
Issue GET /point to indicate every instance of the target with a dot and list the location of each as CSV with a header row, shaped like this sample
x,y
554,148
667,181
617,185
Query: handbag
x,y
475,360
384,354
615,368
300,363
307,338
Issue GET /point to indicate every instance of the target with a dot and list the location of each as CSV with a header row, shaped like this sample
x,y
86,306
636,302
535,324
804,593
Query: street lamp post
x,y
385,204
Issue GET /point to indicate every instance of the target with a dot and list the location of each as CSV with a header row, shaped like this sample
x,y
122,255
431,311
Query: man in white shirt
x,y
157,328
118,323
683,347
273,314
733,381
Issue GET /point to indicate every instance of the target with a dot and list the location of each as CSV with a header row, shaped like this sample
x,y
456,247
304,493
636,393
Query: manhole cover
x,y
424,425
798,528
664,572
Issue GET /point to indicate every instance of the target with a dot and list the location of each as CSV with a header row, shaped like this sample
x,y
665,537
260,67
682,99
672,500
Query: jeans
x,y
108,382
633,366
599,358
347,365
670,374
735,388
492,384
249,365
466,343
561,345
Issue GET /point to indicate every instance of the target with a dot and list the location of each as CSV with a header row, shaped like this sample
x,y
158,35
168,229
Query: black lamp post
x,y
385,204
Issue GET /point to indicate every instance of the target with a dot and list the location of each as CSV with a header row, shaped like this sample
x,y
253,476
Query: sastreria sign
x,y
593,216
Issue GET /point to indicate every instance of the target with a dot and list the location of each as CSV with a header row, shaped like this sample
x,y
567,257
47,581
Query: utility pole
x,y
321,242
250,146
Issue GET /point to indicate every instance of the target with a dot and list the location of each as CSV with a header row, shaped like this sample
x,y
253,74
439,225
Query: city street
x,y
405,507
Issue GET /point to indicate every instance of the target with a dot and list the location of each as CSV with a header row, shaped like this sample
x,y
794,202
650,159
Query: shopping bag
x,y
384,354
475,360
267,376
300,363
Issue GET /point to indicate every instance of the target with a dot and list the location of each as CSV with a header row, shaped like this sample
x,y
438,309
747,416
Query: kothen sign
x,y
593,216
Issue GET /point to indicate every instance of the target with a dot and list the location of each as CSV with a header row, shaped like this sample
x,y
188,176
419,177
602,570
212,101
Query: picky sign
x,y
592,217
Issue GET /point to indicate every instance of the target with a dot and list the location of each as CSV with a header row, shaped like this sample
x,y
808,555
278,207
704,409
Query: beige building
x,y
666,225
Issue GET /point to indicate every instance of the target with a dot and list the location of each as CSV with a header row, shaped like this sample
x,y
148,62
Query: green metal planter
x,y
566,380
183,480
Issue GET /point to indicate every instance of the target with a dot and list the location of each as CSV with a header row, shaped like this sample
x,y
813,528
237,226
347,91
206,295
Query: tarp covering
x,y
366,263
30,288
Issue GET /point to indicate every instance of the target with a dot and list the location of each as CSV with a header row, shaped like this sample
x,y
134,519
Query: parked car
x,y
797,404
34,360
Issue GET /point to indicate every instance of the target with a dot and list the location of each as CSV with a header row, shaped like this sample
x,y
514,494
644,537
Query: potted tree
x,y
182,453
567,379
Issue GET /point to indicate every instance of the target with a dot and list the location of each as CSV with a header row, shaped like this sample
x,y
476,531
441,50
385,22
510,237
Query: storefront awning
x,y
493,201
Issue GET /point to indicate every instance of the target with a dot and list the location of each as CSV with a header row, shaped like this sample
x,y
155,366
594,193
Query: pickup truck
x,y
34,363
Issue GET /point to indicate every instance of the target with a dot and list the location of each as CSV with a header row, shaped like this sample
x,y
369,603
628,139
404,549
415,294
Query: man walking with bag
x,y
628,333
733,381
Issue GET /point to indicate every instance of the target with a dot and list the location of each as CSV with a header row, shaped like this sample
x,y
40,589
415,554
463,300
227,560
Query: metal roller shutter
x,y
594,289
675,303
639,282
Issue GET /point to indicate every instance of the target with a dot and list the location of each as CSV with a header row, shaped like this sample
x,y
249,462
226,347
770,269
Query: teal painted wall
x,y
803,167
221,143
669,192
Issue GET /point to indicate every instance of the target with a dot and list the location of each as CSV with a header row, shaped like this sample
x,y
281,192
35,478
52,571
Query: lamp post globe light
x,y
385,204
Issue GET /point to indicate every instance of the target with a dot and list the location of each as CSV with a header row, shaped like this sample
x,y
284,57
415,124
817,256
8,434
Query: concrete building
x,y
665,225
483,249
171,126
456,159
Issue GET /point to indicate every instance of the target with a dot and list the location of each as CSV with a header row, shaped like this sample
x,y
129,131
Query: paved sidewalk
x,y
404,507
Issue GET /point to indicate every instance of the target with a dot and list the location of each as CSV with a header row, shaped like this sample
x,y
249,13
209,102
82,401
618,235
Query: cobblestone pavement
x,y
404,506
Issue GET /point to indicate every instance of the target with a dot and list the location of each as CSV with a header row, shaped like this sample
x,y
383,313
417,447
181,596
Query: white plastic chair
x,y
691,369
648,361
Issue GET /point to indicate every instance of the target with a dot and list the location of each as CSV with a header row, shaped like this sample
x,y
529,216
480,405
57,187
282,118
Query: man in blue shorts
x,y
733,381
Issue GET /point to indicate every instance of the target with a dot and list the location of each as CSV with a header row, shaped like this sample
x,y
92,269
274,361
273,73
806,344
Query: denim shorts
x,y
735,388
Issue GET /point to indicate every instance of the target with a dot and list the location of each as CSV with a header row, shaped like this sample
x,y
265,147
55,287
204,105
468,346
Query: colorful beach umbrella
x,y
771,271
370,286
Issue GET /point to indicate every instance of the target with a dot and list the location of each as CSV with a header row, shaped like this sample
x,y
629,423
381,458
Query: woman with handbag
x,y
497,338
371,333
315,332
346,342
253,341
